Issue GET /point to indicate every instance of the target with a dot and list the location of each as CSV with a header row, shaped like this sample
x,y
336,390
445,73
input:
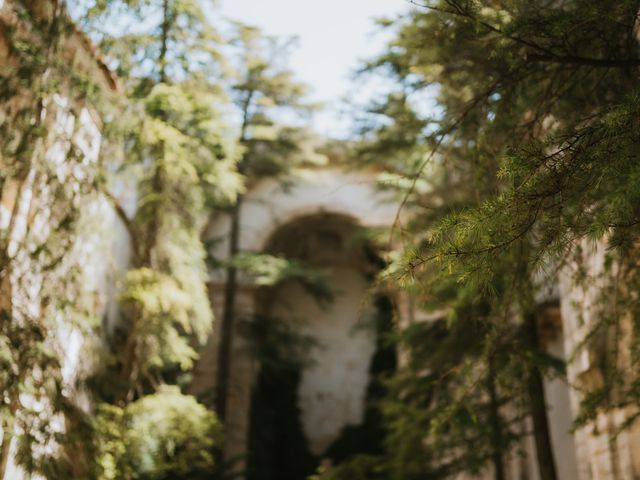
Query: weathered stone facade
x,y
63,152
319,197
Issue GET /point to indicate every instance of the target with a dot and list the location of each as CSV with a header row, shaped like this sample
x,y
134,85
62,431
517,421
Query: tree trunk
x,y
7,436
5,448
144,251
228,316
541,432
231,283
164,40
496,424
129,371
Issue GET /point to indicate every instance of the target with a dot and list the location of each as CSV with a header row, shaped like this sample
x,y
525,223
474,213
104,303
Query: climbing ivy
x,y
170,135
47,181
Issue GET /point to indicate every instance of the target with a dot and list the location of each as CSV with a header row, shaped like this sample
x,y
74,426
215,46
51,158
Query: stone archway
x,y
323,357
332,200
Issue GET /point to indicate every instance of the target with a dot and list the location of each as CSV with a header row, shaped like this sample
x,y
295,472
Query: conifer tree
x,y
177,143
264,92
513,169
548,106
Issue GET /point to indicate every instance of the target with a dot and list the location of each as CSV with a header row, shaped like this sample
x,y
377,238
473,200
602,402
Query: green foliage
x,y
265,92
557,108
174,140
151,41
527,154
166,435
176,143
164,313
269,271
46,184
361,467
184,120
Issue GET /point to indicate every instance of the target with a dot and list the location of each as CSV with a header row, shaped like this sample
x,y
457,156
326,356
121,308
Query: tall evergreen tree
x,y
528,151
544,93
177,143
264,93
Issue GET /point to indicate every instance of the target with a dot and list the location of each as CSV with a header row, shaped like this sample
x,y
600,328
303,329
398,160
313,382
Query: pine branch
x,y
546,54
591,62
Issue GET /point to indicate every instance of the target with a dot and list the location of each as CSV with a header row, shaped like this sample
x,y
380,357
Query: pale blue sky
x,y
333,36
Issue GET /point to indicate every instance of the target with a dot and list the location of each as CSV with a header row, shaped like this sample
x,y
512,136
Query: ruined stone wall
x,y
331,393
50,190
602,453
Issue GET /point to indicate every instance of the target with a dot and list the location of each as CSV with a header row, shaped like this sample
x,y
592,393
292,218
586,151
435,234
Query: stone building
x,y
48,186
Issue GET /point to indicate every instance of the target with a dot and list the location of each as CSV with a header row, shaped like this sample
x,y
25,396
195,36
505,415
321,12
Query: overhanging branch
x,y
122,215
591,62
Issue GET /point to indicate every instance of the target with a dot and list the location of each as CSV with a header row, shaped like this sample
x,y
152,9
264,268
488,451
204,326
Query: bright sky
x,y
333,36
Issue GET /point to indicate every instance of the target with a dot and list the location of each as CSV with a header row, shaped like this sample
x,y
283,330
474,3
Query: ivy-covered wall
x,y
59,237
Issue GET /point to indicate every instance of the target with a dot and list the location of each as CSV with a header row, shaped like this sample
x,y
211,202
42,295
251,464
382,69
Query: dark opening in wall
x,y
278,448
279,438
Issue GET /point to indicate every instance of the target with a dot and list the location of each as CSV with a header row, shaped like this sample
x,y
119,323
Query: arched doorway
x,y
319,360
269,210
